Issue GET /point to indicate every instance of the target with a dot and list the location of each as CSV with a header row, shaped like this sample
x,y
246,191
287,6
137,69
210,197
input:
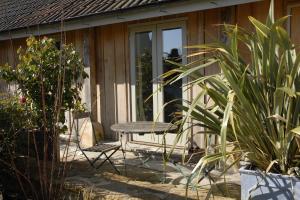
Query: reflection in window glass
x,y
143,70
172,50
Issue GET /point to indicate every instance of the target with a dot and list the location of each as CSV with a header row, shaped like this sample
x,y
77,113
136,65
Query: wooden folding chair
x,y
104,149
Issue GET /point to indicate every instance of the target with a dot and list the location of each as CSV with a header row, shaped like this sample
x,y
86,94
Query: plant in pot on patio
x,y
253,105
49,80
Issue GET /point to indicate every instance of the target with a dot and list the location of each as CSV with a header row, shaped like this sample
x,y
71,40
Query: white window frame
x,y
156,28
133,31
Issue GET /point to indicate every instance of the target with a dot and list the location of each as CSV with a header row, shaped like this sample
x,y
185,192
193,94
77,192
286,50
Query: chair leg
x,y
93,161
112,164
108,159
96,159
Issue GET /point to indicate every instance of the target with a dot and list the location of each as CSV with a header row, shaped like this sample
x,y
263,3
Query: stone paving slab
x,y
138,182
104,184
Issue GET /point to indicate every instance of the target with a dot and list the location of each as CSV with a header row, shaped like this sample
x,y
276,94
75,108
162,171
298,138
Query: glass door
x,y
144,76
151,47
143,71
170,48
171,38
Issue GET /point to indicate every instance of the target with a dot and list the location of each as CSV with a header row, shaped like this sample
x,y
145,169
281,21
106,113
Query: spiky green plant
x,y
253,106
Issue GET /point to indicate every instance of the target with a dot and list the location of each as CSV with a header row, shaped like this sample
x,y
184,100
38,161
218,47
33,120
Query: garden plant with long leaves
x,y
253,104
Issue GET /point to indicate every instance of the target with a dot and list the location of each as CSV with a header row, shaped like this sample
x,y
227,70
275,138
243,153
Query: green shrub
x,y
13,118
48,81
49,78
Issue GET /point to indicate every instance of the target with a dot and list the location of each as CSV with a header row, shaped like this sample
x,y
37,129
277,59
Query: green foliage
x,y
253,104
49,78
48,81
13,117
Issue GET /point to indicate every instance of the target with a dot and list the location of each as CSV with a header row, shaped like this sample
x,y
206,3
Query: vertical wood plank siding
x,y
112,78
109,54
93,72
195,35
109,68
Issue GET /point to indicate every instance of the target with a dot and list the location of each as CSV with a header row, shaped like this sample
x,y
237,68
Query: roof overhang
x,y
122,16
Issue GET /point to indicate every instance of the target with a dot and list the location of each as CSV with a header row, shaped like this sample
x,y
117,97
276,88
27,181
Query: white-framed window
x,y
150,48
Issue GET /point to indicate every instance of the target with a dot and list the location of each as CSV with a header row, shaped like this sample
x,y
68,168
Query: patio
x,y
224,74
140,181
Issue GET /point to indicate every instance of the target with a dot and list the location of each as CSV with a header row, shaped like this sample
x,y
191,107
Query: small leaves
x,y
44,73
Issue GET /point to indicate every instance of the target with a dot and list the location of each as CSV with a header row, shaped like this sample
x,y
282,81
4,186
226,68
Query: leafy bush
x,y
13,117
253,106
49,78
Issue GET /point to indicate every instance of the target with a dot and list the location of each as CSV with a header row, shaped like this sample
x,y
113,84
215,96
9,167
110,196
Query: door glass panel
x,y
143,71
172,50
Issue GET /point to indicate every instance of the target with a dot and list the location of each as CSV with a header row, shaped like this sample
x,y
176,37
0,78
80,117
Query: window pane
x,y
172,50
143,70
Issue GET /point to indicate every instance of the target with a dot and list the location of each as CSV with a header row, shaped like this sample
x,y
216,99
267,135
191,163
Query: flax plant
x,y
253,104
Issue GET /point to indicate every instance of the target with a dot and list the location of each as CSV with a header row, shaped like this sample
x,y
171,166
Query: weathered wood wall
x,y
106,50
112,74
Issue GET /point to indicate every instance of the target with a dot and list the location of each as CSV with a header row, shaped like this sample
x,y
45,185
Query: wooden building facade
x,y
107,51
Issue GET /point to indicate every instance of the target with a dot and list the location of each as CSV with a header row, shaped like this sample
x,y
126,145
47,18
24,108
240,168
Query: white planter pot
x,y
259,186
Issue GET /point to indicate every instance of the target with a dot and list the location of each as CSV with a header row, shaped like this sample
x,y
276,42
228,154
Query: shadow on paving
x,y
230,190
138,183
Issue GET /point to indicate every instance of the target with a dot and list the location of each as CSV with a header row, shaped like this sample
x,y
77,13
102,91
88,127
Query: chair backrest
x,y
85,116
81,115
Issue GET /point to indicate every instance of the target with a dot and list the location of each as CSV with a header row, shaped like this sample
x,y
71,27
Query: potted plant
x,y
253,105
